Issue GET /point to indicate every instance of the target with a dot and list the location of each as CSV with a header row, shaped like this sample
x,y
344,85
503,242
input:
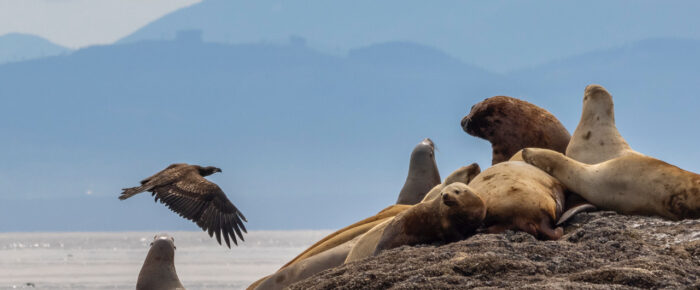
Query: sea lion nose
x,y
465,122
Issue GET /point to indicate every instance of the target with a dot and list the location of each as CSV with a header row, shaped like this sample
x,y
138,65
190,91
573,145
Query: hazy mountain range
x,y
499,35
19,47
305,139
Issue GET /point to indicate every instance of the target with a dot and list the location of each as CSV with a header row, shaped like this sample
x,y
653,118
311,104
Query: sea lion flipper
x,y
568,214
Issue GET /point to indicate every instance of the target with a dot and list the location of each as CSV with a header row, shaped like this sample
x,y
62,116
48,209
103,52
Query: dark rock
x,y
600,250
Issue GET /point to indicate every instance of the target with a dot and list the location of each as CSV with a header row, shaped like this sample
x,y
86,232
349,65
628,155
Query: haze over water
x,y
113,260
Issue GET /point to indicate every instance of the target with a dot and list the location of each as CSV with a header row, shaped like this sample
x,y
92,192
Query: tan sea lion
x,y
511,124
158,270
522,197
305,268
596,138
348,233
422,174
464,174
454,216
628,184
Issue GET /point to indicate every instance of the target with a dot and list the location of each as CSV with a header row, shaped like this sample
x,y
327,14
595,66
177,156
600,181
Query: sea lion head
x,y
162,248
423,160
487,116
461,208
597,103
423,153
209,170
423,174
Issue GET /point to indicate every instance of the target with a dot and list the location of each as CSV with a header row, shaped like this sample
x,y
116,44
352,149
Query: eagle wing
x,y
200,200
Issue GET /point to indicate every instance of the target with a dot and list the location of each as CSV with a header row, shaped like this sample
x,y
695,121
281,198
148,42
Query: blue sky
x,y
314,133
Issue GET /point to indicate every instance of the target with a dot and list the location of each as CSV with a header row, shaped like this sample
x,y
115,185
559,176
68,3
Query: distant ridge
x,y
498,35
16,47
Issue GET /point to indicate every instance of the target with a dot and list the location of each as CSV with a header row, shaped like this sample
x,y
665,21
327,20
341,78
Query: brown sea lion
x,y
511,124
158,270
628,184
454,216
596,138
422,174
464,174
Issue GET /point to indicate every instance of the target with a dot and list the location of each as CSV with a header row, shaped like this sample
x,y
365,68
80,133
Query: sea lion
x,y
158,270
520,196
627,184
348,233
454,216
464,174
596,138
305,268
511,124
422,174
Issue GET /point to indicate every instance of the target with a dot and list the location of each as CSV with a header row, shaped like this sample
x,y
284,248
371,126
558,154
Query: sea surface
x,y
112,260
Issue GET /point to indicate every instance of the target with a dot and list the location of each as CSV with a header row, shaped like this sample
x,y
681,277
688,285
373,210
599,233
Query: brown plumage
x,y
183,188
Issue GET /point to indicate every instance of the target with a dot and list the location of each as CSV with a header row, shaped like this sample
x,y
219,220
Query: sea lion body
x,y
422,175
348,233
455,215
511,124
596,138
520,196
305,268
158,270
628,184
464,174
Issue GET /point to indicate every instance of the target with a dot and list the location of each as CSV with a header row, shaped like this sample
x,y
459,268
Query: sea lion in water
x,y
596,138
627,184
158,270
511,124
464,174
520,196
422,174
454,216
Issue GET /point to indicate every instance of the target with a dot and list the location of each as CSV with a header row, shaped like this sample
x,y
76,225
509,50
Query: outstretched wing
x,y
197,199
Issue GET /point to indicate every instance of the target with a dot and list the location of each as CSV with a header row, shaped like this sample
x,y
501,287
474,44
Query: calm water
x,y
113,260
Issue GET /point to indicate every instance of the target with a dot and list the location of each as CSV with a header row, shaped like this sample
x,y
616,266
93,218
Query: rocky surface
x,y
599,250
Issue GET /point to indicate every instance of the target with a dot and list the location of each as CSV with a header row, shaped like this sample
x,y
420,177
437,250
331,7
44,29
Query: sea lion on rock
x,y
422,173
305,268
627,184
348,233
464,174
520,196
596,138
158,270
454,216
511,124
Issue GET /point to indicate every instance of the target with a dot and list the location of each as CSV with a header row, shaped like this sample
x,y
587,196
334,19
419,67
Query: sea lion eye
x,y
457,192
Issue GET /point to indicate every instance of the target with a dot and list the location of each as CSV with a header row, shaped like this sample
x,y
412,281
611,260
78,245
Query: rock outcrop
x,y
600,250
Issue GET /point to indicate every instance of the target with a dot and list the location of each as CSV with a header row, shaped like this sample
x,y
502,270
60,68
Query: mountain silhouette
x,y
498,35
16,47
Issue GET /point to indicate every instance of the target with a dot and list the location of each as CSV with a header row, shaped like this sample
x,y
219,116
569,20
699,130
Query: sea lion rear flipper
x,y
568,214
546,231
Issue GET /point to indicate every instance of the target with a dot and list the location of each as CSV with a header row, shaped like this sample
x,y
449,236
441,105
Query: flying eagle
x,y
183,188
